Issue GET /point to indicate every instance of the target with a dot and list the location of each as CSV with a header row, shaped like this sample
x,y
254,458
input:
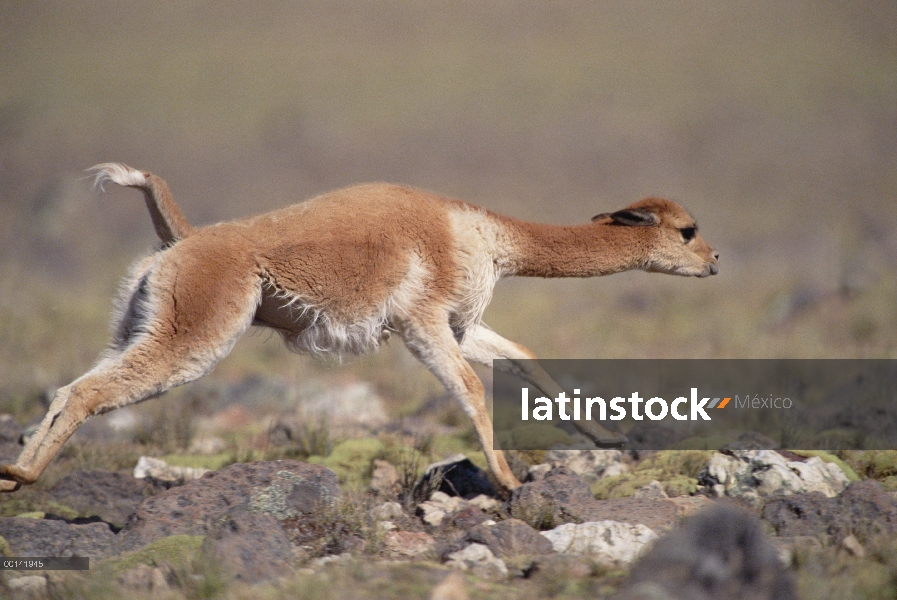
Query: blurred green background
x,y
774,122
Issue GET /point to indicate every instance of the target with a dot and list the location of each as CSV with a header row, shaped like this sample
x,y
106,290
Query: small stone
x,y
433,515
651,491
479,559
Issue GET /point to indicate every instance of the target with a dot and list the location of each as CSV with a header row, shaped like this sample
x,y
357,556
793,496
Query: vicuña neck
x,y
576,251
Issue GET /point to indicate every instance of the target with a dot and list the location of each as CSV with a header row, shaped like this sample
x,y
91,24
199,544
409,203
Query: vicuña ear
x,y
634,217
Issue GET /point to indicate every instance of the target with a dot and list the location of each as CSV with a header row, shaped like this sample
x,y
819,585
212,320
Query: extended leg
x,y
482,345
179,336
435,346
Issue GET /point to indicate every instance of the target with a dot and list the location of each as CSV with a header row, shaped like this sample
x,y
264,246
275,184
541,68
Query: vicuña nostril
x,y
716,256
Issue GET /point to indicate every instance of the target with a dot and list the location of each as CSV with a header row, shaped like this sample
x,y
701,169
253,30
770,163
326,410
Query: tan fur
x,y
338,273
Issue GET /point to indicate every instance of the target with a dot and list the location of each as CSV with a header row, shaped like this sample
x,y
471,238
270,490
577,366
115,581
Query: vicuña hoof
x,y
8,485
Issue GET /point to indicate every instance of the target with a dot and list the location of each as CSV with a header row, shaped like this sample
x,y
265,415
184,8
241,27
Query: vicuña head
x,y
339,273
675,246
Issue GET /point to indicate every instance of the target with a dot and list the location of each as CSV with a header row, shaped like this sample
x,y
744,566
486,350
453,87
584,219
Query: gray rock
x,y
113,497
509,538
46,537
864,509
249,546
719,553
284,489
562,497
609,543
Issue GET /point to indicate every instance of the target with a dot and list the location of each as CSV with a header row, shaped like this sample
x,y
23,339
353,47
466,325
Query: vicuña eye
x,y
688,233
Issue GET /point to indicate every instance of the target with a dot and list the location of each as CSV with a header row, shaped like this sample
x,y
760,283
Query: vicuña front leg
x,y
482,345
435,346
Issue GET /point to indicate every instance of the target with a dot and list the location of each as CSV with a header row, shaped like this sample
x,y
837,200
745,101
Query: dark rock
x,y
719,553
562,497
457,476
113,497
511,537
286,489
864,509
249,546
48,537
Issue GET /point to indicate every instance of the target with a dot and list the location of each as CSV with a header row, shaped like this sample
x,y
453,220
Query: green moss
x,y
5,549
66,512
871,464
889,484
676,470
174,550
37,514
352,461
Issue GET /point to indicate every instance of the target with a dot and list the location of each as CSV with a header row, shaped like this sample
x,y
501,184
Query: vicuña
x,y
338,274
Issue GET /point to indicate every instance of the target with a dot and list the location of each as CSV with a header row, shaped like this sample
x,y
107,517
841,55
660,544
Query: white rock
x,y
157,468
484,502
758,474
611,543
477,557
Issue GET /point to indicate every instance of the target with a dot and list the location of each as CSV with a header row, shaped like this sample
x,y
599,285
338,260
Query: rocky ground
x,y
359,522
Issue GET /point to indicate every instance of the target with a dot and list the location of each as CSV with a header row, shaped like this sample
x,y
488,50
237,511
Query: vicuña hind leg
x,y
482,345
181,336
435,346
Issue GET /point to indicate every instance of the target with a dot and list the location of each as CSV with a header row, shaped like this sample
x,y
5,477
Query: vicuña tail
x,y
170,223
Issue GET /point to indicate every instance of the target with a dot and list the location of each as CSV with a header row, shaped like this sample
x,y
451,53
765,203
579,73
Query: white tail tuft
x,y
117,173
